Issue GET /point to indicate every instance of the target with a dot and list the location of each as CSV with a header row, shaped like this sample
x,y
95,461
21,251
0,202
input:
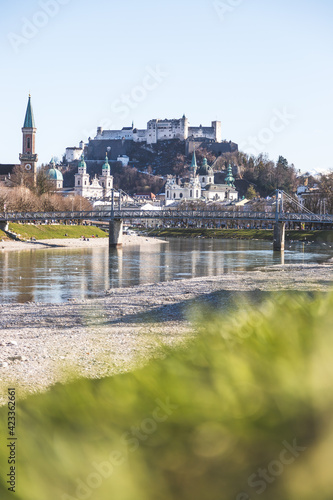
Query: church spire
x,y
29,121
106,166
194,165
82,166
229,180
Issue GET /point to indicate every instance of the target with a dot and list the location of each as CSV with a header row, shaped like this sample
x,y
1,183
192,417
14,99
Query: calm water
x,y
62,274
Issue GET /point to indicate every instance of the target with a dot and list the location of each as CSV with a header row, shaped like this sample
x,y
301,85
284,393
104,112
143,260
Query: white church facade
x,y
99,188
200,186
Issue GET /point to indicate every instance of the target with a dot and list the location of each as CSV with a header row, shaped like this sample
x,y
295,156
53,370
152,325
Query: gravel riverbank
x,y
9,245
42,344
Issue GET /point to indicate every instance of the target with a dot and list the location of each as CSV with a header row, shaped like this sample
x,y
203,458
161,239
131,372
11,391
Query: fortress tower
x,y
28,157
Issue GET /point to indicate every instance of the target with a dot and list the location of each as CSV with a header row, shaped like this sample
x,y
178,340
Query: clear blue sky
x,y
245,63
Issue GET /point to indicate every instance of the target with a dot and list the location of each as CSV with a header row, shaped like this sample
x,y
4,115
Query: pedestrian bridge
x,y
115,219
166,214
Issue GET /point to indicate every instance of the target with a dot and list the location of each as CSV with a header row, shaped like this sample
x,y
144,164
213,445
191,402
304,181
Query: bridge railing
x,y
49,216
167,214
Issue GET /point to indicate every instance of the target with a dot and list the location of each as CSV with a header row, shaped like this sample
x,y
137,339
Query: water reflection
x,y
56,275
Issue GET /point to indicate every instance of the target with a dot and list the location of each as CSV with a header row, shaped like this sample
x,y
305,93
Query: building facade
x,y
161,130
200,185
99,188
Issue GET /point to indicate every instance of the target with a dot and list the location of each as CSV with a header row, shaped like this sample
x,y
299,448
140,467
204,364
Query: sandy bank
x,y
76,243
41,342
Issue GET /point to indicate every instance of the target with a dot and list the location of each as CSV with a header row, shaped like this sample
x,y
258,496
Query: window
x,y
174,195
181,195
197,194
168,194
85,183
203,179
28,143
191,193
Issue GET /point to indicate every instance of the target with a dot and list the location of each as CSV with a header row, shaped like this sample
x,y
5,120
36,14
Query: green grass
x,y
318,235
46,232
3,236
242,234
231,399
213,233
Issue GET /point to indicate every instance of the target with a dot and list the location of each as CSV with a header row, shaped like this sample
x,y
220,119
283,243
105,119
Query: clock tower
x,y
28,157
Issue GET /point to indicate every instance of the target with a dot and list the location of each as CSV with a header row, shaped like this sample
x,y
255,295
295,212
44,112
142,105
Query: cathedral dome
x,y
205,169
54,175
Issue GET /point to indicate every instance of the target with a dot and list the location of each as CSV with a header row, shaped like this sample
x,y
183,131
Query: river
x,y
58,275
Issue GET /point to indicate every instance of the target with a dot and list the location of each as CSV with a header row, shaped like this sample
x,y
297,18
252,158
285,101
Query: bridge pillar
x,y
279,236
4,226
115,233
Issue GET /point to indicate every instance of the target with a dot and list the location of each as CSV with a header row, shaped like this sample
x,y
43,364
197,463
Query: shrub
x,y
242,412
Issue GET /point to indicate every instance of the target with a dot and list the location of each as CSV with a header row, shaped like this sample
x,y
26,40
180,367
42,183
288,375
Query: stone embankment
x,y
42,344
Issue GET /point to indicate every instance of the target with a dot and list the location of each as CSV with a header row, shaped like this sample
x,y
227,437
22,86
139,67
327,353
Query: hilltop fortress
x,y
161,130
157,130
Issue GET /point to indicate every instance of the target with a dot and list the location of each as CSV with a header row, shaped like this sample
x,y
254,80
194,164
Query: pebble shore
x,y
10,245
42,344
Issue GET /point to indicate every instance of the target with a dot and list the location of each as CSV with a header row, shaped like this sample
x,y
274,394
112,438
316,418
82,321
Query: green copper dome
x,y
82,163
54,175
204,169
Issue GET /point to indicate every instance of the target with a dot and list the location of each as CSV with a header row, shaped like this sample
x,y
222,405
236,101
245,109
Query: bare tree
x,y
43,182
21,177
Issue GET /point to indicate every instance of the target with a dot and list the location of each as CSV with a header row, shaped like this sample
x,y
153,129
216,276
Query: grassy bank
x,y
241,234
3,236
57,231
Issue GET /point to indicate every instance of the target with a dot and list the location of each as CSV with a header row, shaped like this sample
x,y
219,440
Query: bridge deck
x,y
166,214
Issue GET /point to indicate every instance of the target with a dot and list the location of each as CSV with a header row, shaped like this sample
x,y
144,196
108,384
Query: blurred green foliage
x,y
200,423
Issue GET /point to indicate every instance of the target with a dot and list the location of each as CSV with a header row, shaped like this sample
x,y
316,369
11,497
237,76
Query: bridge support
x,y
115,233
4,226
279,236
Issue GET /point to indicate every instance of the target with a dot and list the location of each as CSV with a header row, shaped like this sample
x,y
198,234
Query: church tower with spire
x,y
106,179
194,166
28,157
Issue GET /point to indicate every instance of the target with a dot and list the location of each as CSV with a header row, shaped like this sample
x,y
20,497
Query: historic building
x,y
55,176
74,153
161,130
99,188
222,192
157,130
200,185
28,157
186,188
206,174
